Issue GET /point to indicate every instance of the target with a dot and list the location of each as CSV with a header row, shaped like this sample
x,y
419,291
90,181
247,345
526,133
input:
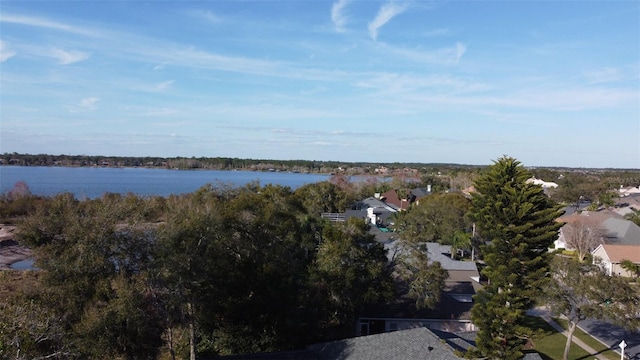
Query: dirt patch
x,y
10,251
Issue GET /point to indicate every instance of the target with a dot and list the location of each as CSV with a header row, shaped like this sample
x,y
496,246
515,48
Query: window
x,y
364,328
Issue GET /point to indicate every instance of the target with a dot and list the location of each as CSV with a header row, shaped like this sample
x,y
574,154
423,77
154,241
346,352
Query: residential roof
x,y
442,254
420,192
619,230
617,253
417,343
372,202
622,232
391,198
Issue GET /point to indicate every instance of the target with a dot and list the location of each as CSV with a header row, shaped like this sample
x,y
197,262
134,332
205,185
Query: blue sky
x,y
552,83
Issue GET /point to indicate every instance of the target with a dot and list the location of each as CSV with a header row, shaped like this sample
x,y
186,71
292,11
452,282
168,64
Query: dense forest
x,y
234,270
217,163
218,271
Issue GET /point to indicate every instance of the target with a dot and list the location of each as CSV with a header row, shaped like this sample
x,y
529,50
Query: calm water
x,y
86,182
23,265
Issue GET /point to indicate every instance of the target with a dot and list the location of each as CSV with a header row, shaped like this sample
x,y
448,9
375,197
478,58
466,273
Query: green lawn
x,y
551,346
589,340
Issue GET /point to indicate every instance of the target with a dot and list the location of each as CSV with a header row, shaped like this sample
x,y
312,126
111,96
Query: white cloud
x,y
69,57
437,32
89,102
5,52
164,85
211,17
387,12
39,22
604,75
337,15
86,104
444,56
460,50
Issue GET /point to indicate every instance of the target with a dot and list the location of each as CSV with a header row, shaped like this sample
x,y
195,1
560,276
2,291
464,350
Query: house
x,y
373,210
544,184
417,343
628,204
399,200
453,311
617,229
403,199
621,232
419,193
612,255
629,190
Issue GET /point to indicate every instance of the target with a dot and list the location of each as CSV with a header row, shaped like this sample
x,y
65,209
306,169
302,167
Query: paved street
x,y
612,335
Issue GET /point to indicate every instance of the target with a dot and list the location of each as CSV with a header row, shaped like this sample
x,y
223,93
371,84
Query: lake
x,y
93,182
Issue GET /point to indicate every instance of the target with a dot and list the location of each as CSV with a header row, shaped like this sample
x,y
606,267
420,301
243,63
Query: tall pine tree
x,y
517,221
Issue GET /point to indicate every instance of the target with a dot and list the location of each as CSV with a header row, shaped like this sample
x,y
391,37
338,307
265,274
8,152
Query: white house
x,y
612,255
544,184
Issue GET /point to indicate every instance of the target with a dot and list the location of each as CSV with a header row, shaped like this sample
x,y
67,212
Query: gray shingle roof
x,y
438,252
621,232
418,343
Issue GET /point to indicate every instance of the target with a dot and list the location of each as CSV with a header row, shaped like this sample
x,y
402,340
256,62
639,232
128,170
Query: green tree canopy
x,y
517,221
580,290
435,218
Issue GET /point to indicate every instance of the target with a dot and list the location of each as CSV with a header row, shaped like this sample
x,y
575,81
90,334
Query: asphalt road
x,y
612,336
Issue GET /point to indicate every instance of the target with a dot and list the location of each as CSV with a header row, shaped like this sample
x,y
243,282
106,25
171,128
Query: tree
x,y
94,265
184,258
425,280
518,222
352,270
436,218
634,217
631,267
583,235
322,197
461,240
583,290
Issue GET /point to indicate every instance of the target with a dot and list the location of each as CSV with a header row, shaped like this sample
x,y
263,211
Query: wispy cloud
x,y
444,56
437,32
387,12
337,16
69,57
5,51
86,104
164,85
604,75
44,23
460,50
208,16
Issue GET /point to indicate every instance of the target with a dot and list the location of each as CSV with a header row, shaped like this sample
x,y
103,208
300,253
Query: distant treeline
x,y
218,163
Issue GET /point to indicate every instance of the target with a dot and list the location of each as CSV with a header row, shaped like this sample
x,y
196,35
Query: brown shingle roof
x,y
618,253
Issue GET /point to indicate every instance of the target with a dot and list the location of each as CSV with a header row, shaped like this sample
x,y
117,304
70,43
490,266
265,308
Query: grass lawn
x,y
551,346
589,340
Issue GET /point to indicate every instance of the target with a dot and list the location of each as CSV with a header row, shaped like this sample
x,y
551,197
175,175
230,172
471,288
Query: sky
x,y
551,83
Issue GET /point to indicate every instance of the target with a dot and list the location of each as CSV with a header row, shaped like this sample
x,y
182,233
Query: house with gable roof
x,y
373,210
616,228
417,343
613,255
453,311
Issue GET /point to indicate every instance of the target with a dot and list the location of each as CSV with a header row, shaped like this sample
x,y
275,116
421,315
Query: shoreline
x,y
10,251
